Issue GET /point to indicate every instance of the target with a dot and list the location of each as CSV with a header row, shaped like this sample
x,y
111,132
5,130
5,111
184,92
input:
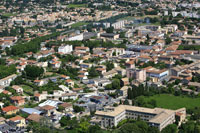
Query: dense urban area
x,y
99,66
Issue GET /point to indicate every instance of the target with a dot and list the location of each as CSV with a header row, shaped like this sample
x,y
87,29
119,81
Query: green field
x,y
27,89
78,24
8,14
76,5
174,102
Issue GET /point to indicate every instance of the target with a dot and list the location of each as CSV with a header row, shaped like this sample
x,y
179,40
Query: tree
x,y
84,126
78,109
32,71
64,121
116,84
93,72
109,65
172,128
126,102
95,129
168,40
110,30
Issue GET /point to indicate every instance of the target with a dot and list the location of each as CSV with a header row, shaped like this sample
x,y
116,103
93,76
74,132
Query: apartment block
x,y
156,117
138,74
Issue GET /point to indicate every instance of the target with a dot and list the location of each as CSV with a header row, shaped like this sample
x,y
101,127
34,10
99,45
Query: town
x,y
85,66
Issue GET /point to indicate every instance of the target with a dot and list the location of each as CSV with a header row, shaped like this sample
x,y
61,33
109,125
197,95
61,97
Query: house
x,y
124,91
101,82
125,81
9,110
56,64
69,83
130,64
65,49
110,74
48,110
18,100
2,120
17,121
72,96
6,92
18,89
85,65
101,70
82,49
82,77
40,82
77,89
34,117
195,84
39,97
7,80
64,77
67,106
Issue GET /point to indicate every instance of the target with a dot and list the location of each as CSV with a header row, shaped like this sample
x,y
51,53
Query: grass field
x,y
78,24
138,17
27,89
8,14
174,102
76,5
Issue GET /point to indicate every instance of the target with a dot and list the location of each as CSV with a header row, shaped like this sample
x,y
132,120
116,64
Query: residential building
x,y
65,49
18,100
7,80
17,121
9,110
156,117
137,74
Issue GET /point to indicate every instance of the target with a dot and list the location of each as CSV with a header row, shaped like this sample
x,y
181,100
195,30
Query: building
x,y
18,100
79,37
48,110
18,89
156,117
156,74
118,25
7,80
9,110
67,107
111,36
137,74
17,121
34,117
65,49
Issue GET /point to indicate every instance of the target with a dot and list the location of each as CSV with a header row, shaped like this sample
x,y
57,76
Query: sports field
x,y
174,102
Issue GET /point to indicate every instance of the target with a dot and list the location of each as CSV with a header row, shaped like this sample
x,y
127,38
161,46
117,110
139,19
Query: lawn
x,y
8,14
76,5
174,102
27,89
78,24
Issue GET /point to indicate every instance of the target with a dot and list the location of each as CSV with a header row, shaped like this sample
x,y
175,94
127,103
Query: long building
x,y
156,117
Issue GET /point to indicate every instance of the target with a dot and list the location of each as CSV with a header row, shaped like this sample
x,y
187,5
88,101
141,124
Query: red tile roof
x,y
9,108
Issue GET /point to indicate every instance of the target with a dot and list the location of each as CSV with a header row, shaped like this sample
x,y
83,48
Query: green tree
x,y
93,72
32,71
172,128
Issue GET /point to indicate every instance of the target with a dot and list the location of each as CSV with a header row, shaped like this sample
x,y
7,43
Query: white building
x,y
65,49
156,117
119,24
75,38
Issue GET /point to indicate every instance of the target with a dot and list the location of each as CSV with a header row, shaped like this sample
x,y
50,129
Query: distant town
x,y
99,66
